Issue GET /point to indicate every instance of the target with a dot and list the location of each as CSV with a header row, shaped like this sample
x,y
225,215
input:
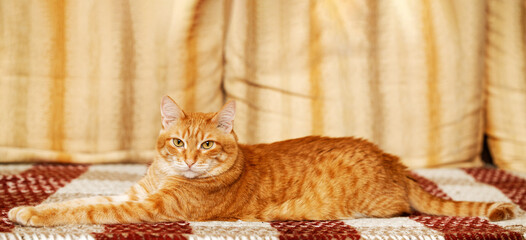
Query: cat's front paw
x,y
28,216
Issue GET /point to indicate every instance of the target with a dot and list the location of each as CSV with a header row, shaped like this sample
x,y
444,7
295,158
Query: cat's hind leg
x,y
386,206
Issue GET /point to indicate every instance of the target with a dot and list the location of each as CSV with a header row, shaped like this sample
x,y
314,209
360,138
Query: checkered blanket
x,y
31,184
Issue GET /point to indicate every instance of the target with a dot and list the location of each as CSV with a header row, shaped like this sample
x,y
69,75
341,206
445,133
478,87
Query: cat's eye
x,y
207,144
178,142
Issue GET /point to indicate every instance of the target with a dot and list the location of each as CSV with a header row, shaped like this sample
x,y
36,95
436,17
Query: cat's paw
x,y
27,216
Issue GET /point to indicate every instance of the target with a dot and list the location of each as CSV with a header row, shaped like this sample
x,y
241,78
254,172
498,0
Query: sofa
x,y
436,83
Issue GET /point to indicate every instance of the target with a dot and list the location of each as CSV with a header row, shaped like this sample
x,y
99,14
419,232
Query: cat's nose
x,y
189,163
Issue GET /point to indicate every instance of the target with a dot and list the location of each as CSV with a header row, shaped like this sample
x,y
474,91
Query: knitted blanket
x,y
31,184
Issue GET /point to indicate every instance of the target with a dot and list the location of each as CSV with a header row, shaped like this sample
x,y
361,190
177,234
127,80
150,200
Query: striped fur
x,y
425,202
299,179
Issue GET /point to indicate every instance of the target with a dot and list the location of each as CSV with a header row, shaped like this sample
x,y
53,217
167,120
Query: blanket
x,y
31,184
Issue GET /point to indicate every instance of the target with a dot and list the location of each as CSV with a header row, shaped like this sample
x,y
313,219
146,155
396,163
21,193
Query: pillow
x,y
506,84
405,76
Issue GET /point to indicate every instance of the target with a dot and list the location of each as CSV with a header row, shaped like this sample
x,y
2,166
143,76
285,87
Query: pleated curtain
x,y
506,83
81,81
407,75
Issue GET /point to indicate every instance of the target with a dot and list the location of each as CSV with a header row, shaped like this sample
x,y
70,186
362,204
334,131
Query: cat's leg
x,y
137,192
75,202
90,200
98,213
385,206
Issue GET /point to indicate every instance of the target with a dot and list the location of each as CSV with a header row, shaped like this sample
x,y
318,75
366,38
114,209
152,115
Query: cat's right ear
x,y
170,112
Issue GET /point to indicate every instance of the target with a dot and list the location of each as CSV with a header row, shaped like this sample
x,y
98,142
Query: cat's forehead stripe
x,y
206,135
198,134
186,133
189,132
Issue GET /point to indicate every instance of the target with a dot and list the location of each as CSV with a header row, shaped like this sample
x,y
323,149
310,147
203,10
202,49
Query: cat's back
x,y
312,149
315,156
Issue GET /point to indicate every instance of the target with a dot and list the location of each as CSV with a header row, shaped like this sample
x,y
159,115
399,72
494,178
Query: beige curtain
x,y
506,83
407,75
80,81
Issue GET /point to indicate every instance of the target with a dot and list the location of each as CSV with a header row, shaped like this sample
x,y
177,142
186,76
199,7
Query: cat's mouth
x,y
194,171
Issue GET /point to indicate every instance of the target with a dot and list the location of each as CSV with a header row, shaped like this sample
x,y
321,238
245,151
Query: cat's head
x,y
196,145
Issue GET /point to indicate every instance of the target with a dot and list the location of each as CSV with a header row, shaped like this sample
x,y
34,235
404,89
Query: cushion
x,y
405,76
506,83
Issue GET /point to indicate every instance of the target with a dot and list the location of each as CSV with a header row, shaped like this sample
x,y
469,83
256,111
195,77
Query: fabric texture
x,y
407,76
506,83
31,184
81,81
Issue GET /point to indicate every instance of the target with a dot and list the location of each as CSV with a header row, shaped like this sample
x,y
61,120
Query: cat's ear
x,y
170,111
225,117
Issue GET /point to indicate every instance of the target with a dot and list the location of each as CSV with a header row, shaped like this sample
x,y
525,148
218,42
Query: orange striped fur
x,y
310,178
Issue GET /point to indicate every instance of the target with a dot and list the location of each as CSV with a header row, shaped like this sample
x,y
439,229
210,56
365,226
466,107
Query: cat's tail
x,y
425,202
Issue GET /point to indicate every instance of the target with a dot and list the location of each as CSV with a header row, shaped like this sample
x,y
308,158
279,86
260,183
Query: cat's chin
x,y
190,174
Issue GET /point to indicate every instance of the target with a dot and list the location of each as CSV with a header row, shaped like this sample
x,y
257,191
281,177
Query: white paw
x,y
27,216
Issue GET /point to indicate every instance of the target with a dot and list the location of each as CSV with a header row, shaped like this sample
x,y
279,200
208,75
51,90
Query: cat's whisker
x,y
211,176
165,170
199,168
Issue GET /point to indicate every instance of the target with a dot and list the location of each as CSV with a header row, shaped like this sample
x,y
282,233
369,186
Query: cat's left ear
x,y
225,117
170,111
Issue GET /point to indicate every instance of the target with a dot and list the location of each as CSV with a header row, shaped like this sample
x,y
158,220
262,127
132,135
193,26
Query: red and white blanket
x,y
31,184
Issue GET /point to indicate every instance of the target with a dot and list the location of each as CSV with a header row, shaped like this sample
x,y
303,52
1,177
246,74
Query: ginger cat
x,y
201,173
